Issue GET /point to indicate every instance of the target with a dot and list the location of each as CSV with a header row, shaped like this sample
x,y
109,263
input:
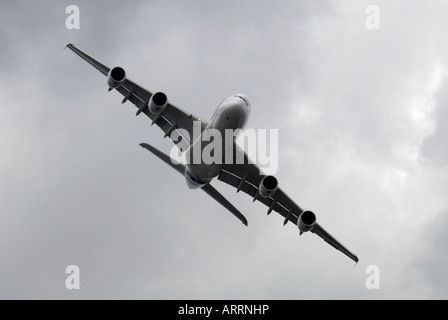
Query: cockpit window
x,y
242,99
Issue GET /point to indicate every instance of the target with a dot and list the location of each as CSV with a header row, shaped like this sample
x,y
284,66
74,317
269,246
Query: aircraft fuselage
x,y
231,114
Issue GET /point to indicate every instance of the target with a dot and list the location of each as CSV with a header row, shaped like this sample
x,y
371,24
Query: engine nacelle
x,y
116,77
268,186
157,102
307,220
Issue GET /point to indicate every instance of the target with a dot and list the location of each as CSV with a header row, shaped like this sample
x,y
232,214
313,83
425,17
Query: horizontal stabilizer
x,y
208,188
212,192
165,158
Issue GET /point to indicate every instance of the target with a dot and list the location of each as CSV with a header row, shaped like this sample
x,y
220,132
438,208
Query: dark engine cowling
x,y
268,186
158,102
307,220
116,77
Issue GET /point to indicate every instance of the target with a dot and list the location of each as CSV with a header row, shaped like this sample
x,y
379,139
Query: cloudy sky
x,y
362,117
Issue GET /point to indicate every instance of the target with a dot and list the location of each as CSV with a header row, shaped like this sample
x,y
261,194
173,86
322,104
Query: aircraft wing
x,y
246,177
170,120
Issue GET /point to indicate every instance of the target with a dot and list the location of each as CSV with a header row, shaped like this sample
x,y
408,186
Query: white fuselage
x,y
232,114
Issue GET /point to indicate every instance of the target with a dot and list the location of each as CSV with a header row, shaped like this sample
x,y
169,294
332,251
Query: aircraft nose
x,y
244,98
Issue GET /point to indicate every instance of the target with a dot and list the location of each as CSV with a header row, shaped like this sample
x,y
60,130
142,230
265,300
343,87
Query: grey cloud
x,y
433,148
77,189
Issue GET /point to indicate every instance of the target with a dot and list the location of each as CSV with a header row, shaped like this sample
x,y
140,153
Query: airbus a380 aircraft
x,y
232,113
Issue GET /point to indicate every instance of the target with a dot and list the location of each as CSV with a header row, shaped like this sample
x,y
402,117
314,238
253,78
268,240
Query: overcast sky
x,y
362,117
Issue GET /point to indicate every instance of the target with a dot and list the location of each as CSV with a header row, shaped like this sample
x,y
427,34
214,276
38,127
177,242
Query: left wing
x,y
171,119
246,177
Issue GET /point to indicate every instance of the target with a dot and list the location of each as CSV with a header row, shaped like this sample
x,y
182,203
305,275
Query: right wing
x,y
246,177
170,120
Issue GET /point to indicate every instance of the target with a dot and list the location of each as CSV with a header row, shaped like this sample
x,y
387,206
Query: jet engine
x,y
307,220
268,186
158,102
116,77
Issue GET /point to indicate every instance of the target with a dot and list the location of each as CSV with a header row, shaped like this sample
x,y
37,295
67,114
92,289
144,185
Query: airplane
x,y
178,125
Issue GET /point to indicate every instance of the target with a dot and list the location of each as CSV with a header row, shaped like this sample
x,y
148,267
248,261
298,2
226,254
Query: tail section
x,y
208,188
